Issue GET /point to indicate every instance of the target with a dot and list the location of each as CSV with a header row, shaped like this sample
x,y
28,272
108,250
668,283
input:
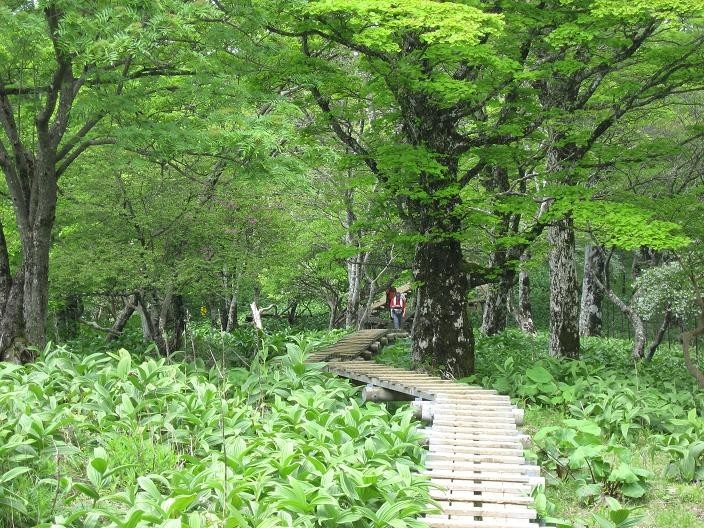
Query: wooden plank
x,y
455,433
444,521
479,495
478,442
509,511
458,485
480,476
475,414
469,419
474,466
435,448
495,415
475,457
441,424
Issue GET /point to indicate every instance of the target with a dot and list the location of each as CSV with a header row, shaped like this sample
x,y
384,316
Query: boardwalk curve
x,y
475,452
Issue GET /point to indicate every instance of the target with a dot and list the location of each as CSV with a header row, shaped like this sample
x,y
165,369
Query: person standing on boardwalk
x,y
397,304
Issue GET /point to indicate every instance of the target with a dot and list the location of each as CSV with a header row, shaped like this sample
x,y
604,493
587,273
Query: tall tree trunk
x,y
35,249
31,172
35,219
564,306
354,286
443,334
496,310
356,264
590,314
524,311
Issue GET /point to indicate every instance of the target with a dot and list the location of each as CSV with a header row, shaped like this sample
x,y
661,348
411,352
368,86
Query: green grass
x,y
397,354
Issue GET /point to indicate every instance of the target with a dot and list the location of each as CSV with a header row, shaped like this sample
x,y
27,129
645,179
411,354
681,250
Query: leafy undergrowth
x,y
107,440
620,443
203,343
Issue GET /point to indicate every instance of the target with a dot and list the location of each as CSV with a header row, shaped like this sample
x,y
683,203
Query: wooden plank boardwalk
x,y
475,452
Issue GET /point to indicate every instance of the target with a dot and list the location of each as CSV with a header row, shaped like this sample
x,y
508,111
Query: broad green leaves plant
x,y
144,443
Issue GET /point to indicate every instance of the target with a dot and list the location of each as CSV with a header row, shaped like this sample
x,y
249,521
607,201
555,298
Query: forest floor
x,y
105,439
97,437
602,425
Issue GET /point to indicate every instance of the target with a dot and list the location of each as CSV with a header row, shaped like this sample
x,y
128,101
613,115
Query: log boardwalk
x,y
475,453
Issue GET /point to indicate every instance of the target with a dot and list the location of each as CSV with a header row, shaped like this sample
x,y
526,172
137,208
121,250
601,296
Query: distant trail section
x,y
475,451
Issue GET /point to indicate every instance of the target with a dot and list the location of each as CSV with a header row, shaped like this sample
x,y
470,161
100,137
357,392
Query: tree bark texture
x,y
524,311
355,272
591,314
564,306
443,334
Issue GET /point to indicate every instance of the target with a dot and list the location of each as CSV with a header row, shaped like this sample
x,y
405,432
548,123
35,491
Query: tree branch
x,y
80,150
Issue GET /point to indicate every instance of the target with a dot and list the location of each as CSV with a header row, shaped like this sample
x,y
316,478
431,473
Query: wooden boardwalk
x,y
475,453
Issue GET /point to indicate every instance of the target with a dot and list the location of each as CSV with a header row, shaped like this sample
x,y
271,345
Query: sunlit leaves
x,y
382,24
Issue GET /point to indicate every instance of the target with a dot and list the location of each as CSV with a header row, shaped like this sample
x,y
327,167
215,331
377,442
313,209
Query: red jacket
x,y
398,301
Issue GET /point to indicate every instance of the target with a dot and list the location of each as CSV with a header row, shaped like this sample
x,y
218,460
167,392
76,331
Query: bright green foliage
x,y
383,24
609,411
685,446
577,450
123,442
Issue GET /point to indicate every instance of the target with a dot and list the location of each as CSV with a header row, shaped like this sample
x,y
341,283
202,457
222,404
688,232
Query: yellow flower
x,y
203,310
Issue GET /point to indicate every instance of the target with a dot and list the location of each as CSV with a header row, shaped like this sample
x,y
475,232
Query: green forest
x,y
199,195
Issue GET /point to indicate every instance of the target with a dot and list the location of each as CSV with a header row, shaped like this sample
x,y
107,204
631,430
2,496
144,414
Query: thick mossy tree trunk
x,y
24,306
442,332
564,306
591,314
